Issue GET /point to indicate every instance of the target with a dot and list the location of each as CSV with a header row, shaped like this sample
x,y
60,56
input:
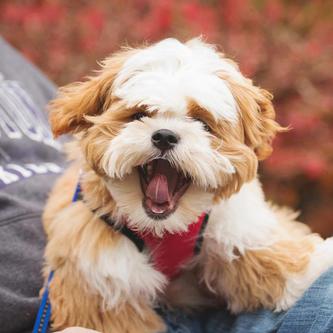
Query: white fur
x,y
166,75
321,260
243,222
193,154
122,274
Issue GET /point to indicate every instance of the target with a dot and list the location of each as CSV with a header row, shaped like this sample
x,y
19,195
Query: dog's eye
x,y
204,124
139,115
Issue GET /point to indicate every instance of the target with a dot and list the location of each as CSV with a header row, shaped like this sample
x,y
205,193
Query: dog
x,y
167,140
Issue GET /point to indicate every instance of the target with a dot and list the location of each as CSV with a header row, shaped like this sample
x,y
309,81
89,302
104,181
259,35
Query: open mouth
x,y
162,186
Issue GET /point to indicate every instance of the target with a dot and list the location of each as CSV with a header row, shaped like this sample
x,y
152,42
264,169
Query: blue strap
x,y
77,194
44,311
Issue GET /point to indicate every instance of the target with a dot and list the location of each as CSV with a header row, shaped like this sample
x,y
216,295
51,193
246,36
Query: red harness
x,y
170,252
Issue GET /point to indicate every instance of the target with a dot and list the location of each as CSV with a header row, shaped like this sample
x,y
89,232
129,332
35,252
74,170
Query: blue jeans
x,y
313,313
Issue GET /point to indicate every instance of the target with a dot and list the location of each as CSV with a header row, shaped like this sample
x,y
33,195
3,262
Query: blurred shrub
x,y
286,46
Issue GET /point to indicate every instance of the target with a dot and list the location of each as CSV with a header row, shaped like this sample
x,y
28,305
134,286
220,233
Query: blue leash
x,y
44,311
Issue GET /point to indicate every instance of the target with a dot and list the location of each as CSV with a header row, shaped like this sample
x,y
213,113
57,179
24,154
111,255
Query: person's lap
x,y
313,313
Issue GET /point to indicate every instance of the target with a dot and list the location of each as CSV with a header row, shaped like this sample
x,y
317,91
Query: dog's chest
x,y
169,253
121,271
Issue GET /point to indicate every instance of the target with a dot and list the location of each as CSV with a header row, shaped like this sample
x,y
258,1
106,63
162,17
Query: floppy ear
x,y
75,101
257,116
88,98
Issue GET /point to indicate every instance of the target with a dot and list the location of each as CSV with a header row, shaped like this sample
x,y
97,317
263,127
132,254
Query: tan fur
x,y
74,305
91,97
103,129
60,197
243,159
96,195
234,147
70,230
258,116
257,278
198,113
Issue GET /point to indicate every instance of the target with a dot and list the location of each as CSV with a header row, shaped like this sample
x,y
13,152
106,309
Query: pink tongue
x,y
158,190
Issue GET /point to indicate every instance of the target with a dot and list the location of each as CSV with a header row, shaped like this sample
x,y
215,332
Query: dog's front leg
x,y
101,281
255,256
268,278
75,304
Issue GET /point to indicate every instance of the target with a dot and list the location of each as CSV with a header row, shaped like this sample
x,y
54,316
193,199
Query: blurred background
x,y
285,46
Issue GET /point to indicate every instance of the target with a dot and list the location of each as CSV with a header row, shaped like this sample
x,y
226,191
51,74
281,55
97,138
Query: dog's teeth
x,y
144,171
149,170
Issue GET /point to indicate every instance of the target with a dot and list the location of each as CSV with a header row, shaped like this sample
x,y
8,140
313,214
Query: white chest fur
x,y
120,273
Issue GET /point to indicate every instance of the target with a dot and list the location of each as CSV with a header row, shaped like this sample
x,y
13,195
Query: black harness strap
x,y
131,235
200,238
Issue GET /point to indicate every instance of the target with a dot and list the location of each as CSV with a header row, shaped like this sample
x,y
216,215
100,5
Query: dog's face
x,y
170,129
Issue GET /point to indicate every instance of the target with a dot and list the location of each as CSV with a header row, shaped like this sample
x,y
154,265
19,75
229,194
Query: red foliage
x,y
285,45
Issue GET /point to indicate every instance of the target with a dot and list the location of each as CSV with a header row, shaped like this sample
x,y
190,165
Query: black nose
x,y
164,139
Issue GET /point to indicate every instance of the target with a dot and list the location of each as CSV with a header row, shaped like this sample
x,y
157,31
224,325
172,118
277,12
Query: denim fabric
x,y
313,313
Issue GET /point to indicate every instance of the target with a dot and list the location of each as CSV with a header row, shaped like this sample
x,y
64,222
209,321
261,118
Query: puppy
x,y
167,143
